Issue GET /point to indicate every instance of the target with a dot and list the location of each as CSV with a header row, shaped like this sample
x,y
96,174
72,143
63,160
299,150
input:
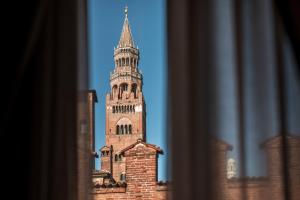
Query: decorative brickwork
x,y
129,163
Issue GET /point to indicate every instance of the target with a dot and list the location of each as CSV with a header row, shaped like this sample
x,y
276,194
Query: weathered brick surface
x,y
141,176
278,160
249,188
130,154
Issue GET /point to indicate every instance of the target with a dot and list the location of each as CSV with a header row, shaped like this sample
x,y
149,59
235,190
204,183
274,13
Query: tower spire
x,y
126,39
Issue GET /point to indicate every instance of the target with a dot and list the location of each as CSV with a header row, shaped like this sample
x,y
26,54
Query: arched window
x,y
117,62
130,129
116,157
133,108
115,91
113,109
123,61
131,61
127,61
123,87
133,89
122,129
117,130
120,157
126,129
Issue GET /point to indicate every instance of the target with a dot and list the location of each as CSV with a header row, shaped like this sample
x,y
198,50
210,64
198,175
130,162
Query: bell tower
x,y
125,104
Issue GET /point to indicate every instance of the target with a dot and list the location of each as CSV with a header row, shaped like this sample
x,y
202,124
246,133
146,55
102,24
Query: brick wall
x,y
276,165
249,188
218,169
141,174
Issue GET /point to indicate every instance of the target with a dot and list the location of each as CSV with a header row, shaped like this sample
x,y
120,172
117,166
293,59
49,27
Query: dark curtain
x,y
233,77
45,65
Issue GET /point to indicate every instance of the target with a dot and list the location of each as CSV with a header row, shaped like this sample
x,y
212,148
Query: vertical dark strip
x,y
238,10
188,99
283,128
289,13
177,114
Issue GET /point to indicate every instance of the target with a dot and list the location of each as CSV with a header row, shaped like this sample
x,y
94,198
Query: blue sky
x,y
147,21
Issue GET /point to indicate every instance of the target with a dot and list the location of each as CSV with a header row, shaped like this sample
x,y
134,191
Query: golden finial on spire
x,y
126,10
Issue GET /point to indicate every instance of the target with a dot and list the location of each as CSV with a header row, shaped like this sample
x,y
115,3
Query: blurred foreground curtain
x,y
234,92
45,48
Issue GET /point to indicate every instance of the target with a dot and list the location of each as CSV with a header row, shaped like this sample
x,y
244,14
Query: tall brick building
x,y
129,163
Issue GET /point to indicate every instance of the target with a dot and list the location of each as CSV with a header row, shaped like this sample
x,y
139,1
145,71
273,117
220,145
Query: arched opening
x,y
127,61
116,157
113,109
122,129
119,62
123,87
134,89
125,125
114,91
130,129
123,61
131,62
134,62
117,130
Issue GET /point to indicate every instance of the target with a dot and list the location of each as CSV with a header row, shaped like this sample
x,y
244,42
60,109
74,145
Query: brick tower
x,y
125,105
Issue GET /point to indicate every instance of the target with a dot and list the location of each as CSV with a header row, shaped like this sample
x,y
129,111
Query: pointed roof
x,y
126,39
140,142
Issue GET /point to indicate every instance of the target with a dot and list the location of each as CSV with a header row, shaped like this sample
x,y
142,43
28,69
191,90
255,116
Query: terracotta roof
x,y
221,142
139,141
111,185
101,172
104,147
